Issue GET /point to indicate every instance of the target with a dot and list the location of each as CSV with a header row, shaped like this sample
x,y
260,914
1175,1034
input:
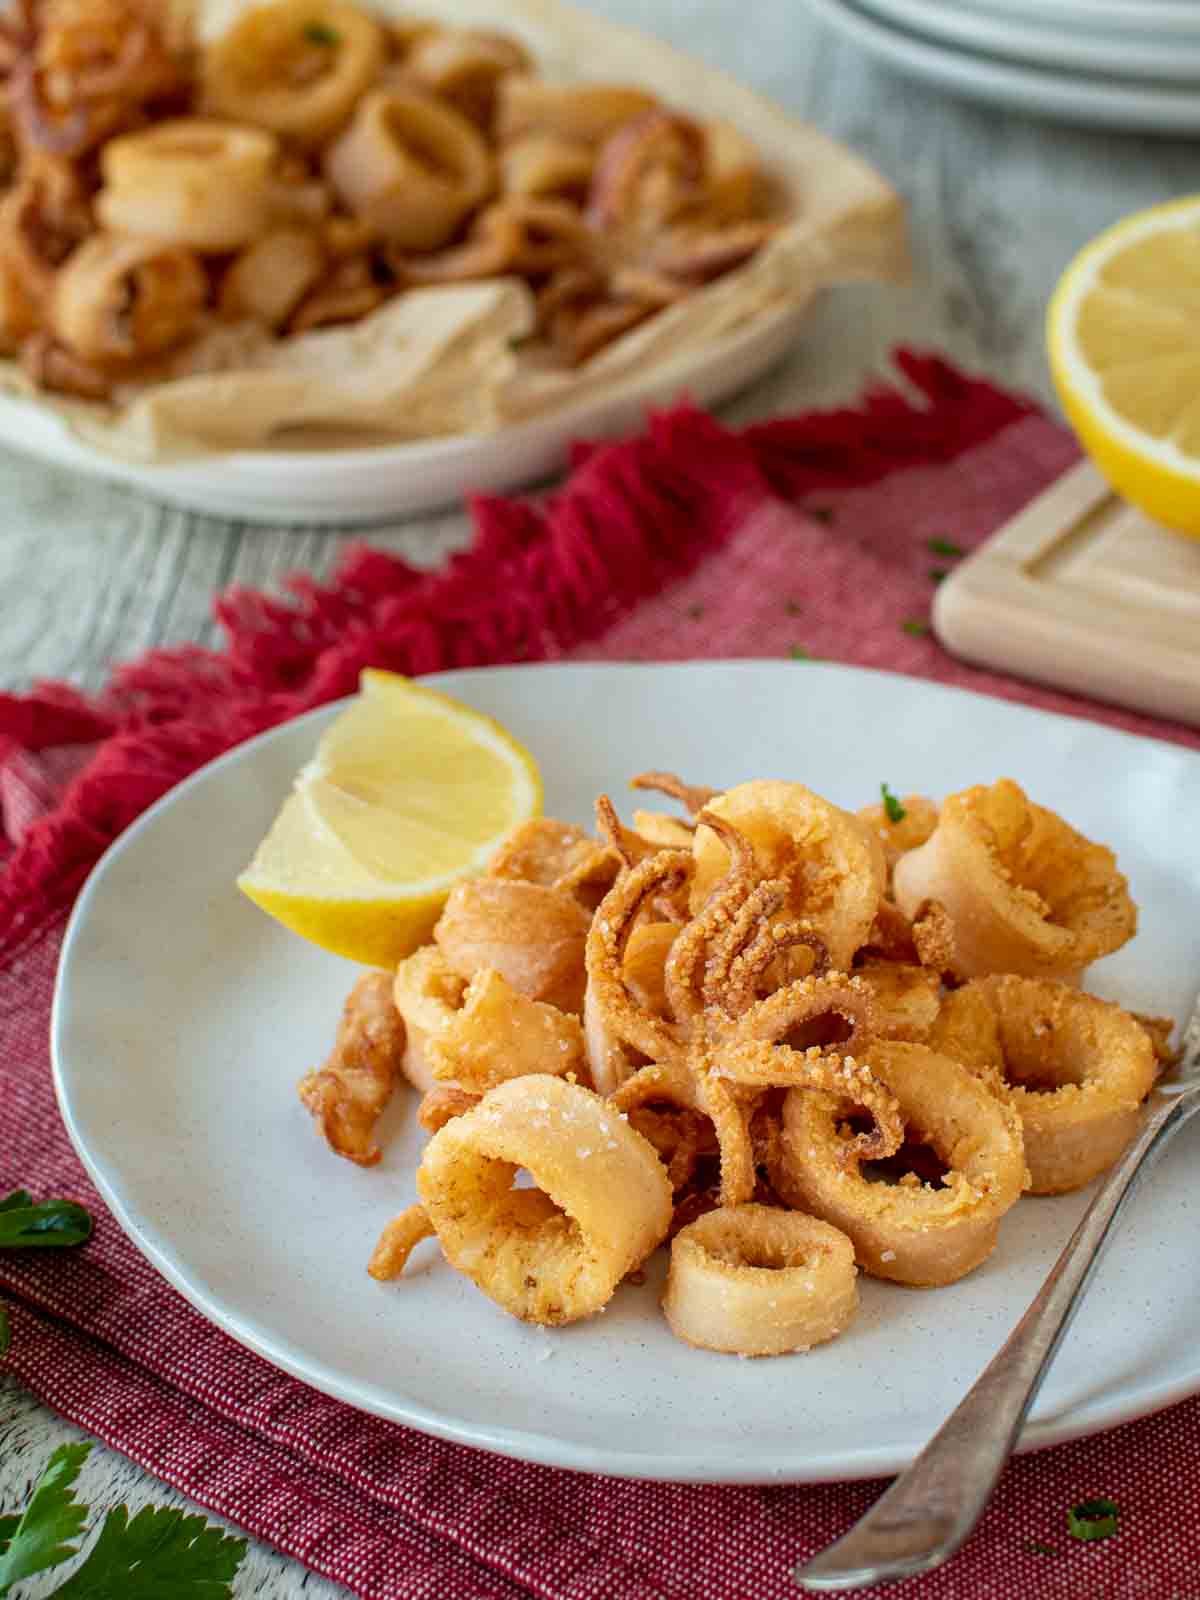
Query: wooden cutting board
x,y
1082,591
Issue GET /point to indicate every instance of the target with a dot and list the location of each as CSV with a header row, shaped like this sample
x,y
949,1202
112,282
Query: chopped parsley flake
x,y
936,574
915,626
1093,1519
320,33
894,810
943,547
799,653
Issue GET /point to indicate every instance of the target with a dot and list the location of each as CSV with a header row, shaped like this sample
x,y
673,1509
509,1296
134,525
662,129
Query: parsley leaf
x,y
1037,1548
161,1554
53,1222
320,33
1093,1519
915,626
936,574
943,547
894,811
799,653
41,1537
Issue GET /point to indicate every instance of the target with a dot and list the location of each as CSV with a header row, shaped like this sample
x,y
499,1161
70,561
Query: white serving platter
x,y
1067,97
316,486
183,1018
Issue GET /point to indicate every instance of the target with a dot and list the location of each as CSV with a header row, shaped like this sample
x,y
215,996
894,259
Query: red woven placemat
x,y
806,533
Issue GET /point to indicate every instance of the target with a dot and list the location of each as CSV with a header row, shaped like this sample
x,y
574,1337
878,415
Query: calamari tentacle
x,y
767,946
769,1021
707,1092
692,796
664,872
754,1063
729,947
684,974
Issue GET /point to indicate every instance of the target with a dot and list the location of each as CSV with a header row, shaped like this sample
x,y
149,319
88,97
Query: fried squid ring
x,y
907,998
752,1280
584,112
498,1034
648,172
832,1010
1078,1069
541,851
534,936
911,1233
410,167
833,864
439,1106
908,833
554,1253
271,277
120,300
190,181
427,992
965,1029
545,166
465,66
1024,892
530,237
297,67
348,1094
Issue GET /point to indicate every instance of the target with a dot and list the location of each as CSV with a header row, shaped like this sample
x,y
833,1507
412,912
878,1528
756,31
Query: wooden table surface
x,y
998,204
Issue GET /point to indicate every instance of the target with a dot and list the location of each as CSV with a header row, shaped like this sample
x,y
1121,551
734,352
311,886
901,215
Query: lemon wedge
x,y
1123,333
408,792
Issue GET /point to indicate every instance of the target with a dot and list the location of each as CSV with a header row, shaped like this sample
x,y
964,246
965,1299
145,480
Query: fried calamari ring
x,y
545,166
753,1280
584,112
832,862
907,998
965,1029
541,851
397,1241
409,167
465,66
272,275
439,1106
348,1094
910,1233
554,1253
909,833
191,181
295,66
1078,1069
498,1034
120,300
534,936
427,992
1024,892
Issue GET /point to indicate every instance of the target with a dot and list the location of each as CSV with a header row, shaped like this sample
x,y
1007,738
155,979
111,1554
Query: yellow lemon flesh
x,y
409,791
1123,333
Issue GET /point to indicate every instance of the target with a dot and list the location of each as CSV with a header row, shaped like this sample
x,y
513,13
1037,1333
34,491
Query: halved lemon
x,y
408,792
1123,333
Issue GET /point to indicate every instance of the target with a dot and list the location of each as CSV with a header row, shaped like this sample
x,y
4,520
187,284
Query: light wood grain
x,y
998,205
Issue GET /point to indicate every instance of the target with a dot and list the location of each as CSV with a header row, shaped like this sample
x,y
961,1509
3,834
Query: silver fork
x,y
933,1506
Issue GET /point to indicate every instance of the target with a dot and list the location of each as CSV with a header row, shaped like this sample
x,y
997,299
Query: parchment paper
x,y
442,361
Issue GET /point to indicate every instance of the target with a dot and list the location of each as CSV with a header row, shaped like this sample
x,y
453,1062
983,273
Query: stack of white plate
x,y
1114,63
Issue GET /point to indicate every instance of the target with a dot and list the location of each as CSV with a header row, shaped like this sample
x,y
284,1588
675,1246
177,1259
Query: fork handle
x,y
933,1506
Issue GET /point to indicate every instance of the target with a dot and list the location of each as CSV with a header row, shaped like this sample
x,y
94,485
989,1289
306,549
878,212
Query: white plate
x,y
314,486
183,1018
1094,101
1067,43
1140,17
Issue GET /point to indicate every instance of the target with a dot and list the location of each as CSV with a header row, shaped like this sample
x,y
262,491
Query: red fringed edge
x,y
538,580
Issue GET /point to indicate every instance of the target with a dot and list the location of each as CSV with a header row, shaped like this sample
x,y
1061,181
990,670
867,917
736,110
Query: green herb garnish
x,y
915,626
53,1223
799,653
943,547
936,574
1039,1549
321,33
1092,1519
894,811
160,1554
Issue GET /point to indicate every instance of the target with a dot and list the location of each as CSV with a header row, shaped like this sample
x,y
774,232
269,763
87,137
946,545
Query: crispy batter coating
x,y
498,1034
1078,1069
533,936
1023,891
397,1241
347,1095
